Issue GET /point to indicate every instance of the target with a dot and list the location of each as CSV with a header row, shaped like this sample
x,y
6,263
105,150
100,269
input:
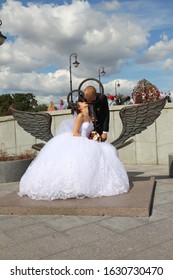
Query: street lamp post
x,y
101,71
2,37
116,85
76,64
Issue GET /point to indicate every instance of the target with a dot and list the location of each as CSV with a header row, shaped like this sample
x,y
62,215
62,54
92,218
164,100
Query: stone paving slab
x,y
94,237
136,203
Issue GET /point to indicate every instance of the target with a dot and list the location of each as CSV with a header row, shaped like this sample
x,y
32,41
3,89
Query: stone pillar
x,y
171,165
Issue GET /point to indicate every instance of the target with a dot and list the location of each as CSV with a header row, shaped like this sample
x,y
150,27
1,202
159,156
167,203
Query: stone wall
x,y
152,146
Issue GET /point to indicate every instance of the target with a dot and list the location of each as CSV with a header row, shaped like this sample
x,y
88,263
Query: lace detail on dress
x,y
74,167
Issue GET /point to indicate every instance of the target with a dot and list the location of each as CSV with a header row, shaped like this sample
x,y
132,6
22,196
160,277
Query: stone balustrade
x,y
152,146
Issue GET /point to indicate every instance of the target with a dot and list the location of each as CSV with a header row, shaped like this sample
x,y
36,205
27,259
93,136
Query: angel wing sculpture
x,y
135,119
38,124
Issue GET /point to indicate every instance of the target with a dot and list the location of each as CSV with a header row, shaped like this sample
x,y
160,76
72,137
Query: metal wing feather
x,y
136,118
37,124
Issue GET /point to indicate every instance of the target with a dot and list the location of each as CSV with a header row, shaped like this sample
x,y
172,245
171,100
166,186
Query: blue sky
x,y
133,40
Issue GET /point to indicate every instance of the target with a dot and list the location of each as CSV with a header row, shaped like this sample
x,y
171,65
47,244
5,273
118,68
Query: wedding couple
x,y
71,165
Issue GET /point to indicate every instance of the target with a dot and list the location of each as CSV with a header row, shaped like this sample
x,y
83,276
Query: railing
x,y
152,146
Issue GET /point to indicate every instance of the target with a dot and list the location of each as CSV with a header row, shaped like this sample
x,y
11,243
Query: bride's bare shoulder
x,y
80,116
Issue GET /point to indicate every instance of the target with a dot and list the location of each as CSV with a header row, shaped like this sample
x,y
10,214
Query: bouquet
x,y
94,135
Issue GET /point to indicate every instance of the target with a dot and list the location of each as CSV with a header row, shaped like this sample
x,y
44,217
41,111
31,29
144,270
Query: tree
x,y
20,101
5,101
24,101
41,107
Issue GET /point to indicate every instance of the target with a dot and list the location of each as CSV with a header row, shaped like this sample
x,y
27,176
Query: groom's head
x,y
90,94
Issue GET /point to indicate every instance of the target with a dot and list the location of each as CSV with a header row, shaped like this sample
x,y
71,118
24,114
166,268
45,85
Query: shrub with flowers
x,y
4,156
145,92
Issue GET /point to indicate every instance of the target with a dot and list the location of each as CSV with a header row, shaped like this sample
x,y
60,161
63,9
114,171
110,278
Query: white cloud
x,y
158,51
45,35
110,6
168,65
164,37
125,88
41,37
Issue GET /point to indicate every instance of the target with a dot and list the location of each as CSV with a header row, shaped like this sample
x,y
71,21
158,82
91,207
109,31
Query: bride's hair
x,y
76,109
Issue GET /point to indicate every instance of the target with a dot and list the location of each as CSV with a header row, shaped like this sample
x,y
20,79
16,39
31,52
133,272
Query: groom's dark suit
x,y
101,110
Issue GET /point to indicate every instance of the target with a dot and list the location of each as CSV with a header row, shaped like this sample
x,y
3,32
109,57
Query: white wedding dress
x,y
74,167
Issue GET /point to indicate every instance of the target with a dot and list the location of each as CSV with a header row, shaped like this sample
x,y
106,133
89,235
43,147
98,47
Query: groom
x,y
99,110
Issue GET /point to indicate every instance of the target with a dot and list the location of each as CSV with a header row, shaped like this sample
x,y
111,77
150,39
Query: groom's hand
x,y
104,137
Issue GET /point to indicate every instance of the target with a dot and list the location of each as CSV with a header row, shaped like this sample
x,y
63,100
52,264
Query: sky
x,y
131,39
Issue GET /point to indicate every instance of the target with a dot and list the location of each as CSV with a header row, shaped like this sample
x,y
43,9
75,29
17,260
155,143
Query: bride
x,y
71,165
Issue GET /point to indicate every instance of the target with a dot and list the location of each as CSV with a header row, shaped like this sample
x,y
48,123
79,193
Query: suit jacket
x,y
101,110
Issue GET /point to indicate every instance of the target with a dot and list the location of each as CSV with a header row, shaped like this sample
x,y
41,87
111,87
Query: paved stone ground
x,y
136,203
92,237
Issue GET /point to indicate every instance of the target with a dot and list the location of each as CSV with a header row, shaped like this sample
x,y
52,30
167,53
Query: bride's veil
x,y
66,125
